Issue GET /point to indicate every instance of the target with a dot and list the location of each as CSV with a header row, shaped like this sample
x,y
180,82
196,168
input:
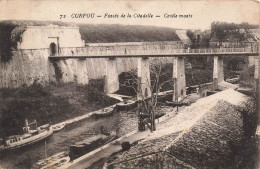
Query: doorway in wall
x,y
53,49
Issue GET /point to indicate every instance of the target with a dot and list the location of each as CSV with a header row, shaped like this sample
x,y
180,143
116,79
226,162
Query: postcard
x,y
129,84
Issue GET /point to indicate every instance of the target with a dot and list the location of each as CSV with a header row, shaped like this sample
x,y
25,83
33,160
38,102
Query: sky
x,y
203,12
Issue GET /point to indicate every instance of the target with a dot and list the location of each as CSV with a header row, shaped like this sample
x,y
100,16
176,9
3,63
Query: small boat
x,y
76,150
177,103
54,161
126,105
104,112
58,127
83,147
29,137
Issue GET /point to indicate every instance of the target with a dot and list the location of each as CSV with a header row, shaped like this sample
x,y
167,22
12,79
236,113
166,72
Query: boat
x,y
54,161
177,103
104,112
83,147
126,105
76,150
29,137
58,127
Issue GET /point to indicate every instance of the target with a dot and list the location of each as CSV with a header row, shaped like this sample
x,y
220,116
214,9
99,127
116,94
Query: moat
x,y
60,141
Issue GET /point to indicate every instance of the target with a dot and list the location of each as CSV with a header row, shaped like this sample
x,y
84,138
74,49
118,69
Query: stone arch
x,y
53,49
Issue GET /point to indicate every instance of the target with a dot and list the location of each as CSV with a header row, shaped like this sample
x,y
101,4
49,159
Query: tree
x,y
231,32
148,103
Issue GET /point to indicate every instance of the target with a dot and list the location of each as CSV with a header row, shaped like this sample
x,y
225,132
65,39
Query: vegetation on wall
x,y
5,41
125,33
224,31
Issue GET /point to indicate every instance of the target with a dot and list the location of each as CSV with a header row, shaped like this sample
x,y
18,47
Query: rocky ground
x,y
142,150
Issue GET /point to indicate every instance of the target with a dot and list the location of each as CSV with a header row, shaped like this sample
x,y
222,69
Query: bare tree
x,y
148,103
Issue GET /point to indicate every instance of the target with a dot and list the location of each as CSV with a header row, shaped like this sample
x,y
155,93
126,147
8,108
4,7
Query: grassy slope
x,y
125,33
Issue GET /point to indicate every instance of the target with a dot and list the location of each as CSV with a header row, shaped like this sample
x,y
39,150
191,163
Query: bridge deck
x,y
119,52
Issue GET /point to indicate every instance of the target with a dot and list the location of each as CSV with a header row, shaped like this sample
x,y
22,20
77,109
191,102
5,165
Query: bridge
x,y
144,52
150,51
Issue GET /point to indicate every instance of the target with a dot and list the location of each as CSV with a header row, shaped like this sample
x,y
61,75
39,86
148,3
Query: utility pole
x,y
45,150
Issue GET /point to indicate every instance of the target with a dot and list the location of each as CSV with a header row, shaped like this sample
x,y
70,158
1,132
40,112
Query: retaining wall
x,y
211,142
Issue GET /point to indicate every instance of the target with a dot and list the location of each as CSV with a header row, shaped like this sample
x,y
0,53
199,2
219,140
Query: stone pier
x,y
218,71
143,74
251,61
111,78
82,72
179,79
256,74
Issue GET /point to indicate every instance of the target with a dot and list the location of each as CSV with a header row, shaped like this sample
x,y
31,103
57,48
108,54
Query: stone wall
x,y
39,37
25,67
212,141
210,137
33,65
30,62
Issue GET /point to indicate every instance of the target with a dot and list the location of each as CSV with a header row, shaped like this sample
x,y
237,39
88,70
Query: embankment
x,y
214,137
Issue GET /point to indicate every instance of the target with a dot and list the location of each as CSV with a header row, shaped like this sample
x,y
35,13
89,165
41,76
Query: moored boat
x,y
90,144
104,112
58,127
76,150
54,161
126,105
29,137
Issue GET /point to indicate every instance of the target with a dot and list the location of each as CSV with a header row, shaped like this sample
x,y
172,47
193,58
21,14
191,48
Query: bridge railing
x,y
146,50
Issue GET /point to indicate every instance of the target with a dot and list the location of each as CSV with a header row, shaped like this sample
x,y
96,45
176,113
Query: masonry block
x,y
256,74
179,81
251,61
218,71
111,77
82,73
143,73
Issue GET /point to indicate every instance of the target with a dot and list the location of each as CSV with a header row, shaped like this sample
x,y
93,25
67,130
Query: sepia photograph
x,y
122,84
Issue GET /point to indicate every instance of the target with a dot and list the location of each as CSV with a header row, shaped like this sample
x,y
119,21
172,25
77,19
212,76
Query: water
x,y
24,158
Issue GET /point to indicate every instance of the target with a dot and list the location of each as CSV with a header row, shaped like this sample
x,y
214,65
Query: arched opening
x,y
146,92
53,49
198,38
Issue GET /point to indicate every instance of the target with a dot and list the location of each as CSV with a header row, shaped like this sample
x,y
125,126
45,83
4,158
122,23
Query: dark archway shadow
x,y
53,49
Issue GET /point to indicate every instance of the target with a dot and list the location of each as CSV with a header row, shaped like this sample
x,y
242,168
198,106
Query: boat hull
x,y
31,140
58,127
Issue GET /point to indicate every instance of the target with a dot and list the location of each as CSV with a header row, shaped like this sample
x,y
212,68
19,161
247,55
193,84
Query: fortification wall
x,y
33,65
38,37
25,67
